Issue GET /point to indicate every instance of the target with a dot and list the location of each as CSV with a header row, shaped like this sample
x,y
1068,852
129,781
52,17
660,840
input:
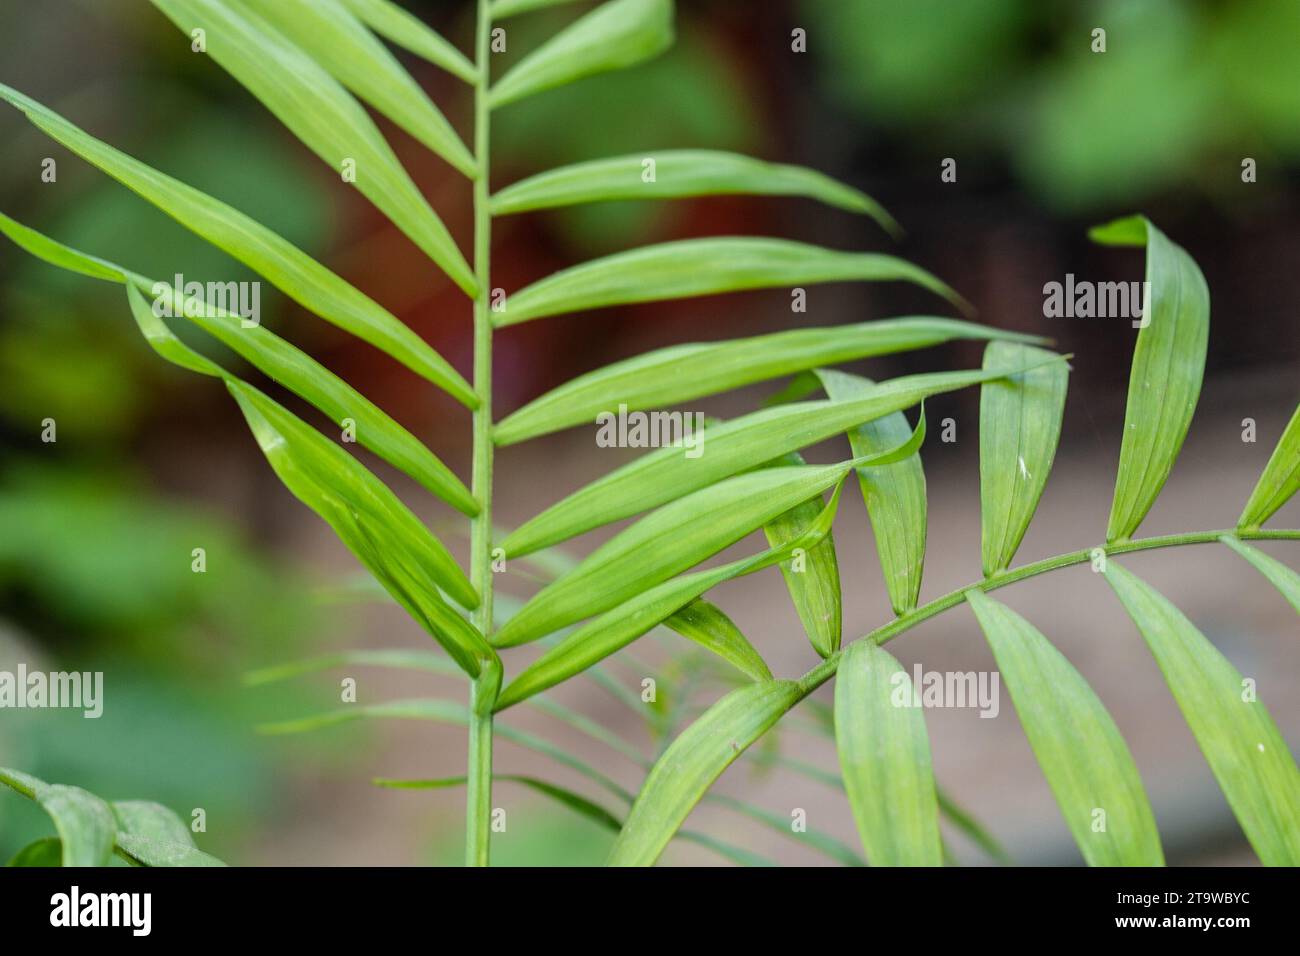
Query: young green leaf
x,y
1280,480
894,493
411,33
305,377
1078,746
693,761
682,372
813,575
617,628
885,759
85,823
324,476
1020,425
676,537
327,31
152,821
628,621
708,626
47,852
680,173
56,253
163,341
695,267
267,352
320,112
1168,363
730,447
296,274
1241,743
396,571
411,563
1278,574
616,35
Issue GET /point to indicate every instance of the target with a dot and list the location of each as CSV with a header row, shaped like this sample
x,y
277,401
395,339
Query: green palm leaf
x,y
707,625
627,621
1280,480
1241,743
1077,744
268,353
682,372
1168,363
681,173
409,561
411,33
321,113
813,575
1020,426
616,35
296,274
676,537
331,35
1277,573
693,762
731,447
885,759
322,475
894,493
695,267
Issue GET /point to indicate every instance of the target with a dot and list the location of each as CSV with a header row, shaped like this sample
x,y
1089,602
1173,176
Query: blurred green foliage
x,y
1182,86
96,555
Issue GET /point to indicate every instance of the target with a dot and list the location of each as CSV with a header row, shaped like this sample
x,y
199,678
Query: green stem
x,y
887,632
478,801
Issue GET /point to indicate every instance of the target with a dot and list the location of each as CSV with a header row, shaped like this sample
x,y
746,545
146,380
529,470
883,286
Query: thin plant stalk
x,y
478,805
887,632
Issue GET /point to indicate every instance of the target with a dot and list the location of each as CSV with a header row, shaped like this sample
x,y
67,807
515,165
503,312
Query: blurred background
x,y
96,530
